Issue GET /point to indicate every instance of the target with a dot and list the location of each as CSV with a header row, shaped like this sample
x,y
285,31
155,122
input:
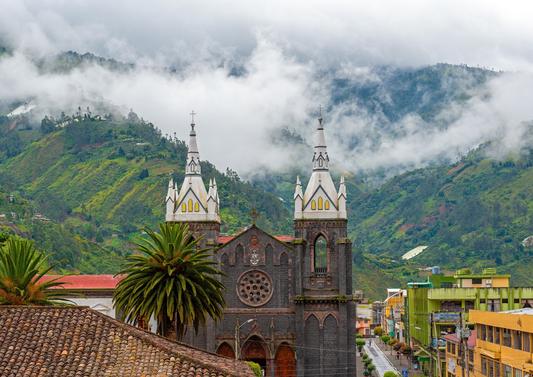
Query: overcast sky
x,y
282,44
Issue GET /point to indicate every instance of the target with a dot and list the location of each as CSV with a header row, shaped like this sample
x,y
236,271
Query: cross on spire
x,y
320,114
254,215
192,116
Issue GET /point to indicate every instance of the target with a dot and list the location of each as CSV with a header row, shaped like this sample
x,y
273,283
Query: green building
x,y
434,308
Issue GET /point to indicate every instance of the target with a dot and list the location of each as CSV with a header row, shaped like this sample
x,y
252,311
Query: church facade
x,y
289,298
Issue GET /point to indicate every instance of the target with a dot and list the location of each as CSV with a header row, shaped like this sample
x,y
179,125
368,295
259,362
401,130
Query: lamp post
x,y
237,337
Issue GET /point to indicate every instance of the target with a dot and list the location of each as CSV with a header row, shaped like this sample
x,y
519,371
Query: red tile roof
x,y
225,239
86,282
471,339
78,341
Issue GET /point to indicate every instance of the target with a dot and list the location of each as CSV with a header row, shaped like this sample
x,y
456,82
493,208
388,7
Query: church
x,y
288,298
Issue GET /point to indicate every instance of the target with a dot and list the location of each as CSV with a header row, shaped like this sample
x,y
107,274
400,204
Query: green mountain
x,y
85,190
99,182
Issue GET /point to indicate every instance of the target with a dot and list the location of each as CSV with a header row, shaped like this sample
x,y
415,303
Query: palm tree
x,y
21,270
172,279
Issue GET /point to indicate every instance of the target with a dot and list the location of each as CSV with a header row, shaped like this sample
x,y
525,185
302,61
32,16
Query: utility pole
x,y
431,373
464,333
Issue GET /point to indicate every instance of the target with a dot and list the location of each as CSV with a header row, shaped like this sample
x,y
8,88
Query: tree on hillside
x,y
21,270
172,279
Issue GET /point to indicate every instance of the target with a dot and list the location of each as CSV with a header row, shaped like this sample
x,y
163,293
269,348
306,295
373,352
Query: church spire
x,y
193,203
320,157
320,199
193,156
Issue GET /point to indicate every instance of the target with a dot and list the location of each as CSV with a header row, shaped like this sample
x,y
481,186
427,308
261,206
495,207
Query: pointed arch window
x,y
196,207
326,205
184,207
189,205
320,255
320,203
313,204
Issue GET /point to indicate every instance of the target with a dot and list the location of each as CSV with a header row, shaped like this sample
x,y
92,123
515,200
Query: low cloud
x,y
283,48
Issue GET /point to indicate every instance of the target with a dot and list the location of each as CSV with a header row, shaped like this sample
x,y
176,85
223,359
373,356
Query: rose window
x,y
254,288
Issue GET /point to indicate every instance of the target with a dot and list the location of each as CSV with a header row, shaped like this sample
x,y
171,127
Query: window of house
x,y
497,332
321,255
476,281
484,366
496,368
517,340
517,301
470,356
493,305
526,341
506,341
489,334
517,372
507,371
490,365
469,305
482,301
482,332
449,347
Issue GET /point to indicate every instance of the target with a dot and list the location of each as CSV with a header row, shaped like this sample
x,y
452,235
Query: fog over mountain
x,y
251,70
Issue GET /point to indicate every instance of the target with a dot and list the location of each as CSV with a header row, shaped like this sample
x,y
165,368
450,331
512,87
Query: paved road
x,y
379,359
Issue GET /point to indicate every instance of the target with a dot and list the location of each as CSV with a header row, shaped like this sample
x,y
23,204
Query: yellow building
x,y
454,356
487,279
504,343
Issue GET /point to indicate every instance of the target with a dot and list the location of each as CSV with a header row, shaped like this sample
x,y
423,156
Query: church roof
x,y
224,239
86,282
72,341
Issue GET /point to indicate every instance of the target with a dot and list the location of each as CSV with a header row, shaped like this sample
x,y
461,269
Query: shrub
x,y
256,368
360,343
392,342
390,373
378,331
385,339
370,367
365,356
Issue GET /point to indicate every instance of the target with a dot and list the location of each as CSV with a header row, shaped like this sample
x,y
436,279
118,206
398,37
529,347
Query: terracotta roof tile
x,y
78,341
86,282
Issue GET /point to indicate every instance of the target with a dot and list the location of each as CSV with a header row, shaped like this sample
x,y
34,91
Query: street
x,y
379,359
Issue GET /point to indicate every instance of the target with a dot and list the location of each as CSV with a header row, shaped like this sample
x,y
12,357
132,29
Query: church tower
x,y
192,203
323,271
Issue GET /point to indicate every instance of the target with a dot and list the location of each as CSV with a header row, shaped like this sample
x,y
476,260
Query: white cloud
x,y
282,45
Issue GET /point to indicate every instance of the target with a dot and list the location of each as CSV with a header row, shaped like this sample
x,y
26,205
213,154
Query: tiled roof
x,y
225,239
78,341
471,339
86,282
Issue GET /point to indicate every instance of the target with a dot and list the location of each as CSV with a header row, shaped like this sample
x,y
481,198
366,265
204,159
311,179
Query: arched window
x,y
326,205
196,207
320,202
189,205
313,204
321,255
184,207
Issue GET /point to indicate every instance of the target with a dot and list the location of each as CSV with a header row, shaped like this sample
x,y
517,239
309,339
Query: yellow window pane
x,y
184,207
313,204
326,205
320,204
196,207
190,205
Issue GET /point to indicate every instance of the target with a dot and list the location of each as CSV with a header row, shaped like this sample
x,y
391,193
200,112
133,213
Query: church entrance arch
x,y
285,361
254,350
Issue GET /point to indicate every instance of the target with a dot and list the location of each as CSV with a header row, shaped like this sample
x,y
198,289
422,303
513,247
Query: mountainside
x,y
83,185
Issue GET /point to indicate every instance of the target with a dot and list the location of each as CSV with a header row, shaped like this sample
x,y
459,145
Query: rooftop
x,y
75,340
86,282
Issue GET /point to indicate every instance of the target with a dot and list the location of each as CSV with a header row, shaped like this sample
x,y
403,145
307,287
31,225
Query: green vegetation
x,y
21,269
172,280
360,343
390,373
256,368
84,186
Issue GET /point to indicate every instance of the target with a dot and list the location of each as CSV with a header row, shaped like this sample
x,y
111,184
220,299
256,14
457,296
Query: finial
x,y
320,114
192,119
254,215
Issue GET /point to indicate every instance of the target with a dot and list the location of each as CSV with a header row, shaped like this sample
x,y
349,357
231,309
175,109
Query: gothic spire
x,y
193,156
320,157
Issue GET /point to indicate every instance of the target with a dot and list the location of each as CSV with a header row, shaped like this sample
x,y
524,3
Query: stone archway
x,y
254,349
225,350
285,361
